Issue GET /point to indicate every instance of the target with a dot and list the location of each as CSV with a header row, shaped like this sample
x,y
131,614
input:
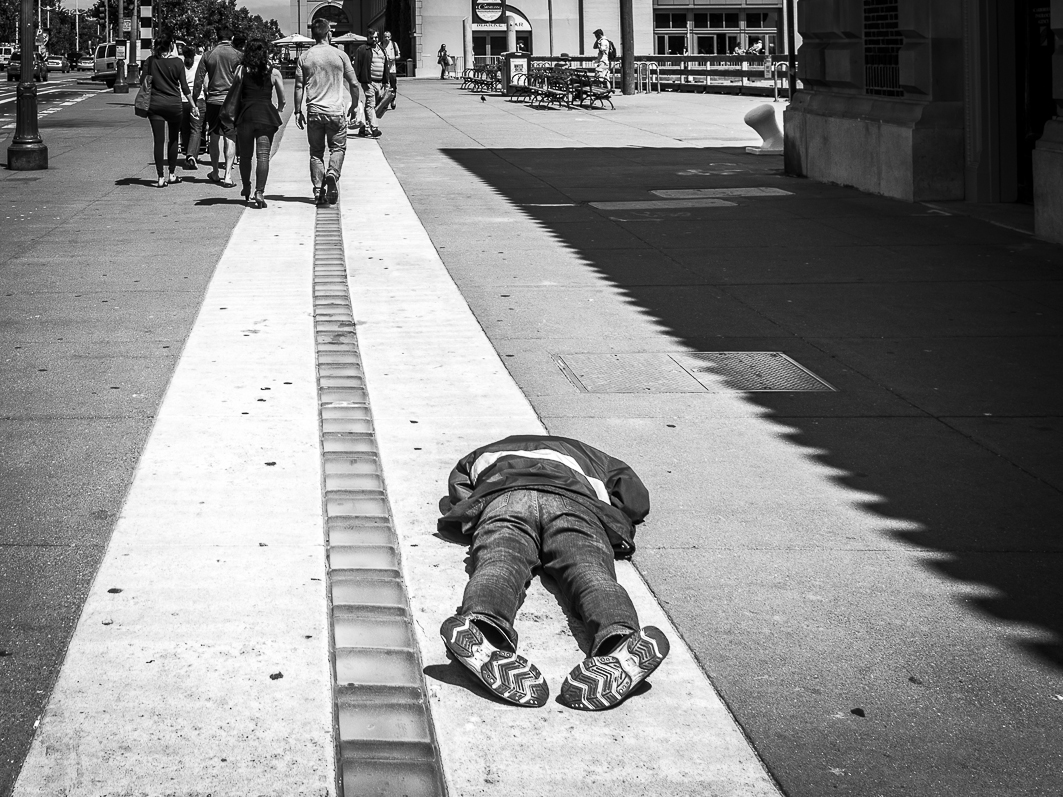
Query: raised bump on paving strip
x,y
200,663
438,390
695,193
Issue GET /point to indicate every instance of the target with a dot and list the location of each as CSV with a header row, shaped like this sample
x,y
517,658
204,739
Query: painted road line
x,y
695,193
200,663
438,390
664,204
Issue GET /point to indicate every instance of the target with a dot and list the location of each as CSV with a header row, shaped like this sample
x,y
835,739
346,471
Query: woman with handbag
x,y
163,78
255,117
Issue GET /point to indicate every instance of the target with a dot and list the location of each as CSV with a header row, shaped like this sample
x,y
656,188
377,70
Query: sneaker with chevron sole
x,y
508,675
602,682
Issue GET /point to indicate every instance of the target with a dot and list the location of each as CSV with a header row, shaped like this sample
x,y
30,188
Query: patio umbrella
x,y
294,38
349,38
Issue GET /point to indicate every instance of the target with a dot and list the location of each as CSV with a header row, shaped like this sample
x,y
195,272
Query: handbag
x,y
387,96
142,103
234,100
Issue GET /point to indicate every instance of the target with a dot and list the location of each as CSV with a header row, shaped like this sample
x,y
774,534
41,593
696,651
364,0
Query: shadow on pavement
x,y
936,329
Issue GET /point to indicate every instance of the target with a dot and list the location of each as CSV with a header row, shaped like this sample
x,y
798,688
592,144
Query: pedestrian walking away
x,y
540,501
258,120
443,59
321,107
606,54
215,77
371,64
164,76
392,51
192,124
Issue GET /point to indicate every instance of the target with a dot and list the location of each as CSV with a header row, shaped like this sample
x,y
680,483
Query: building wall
x,y
883,99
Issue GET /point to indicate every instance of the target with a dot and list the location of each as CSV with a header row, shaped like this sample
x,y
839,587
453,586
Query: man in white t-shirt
x,y
603,46
321,106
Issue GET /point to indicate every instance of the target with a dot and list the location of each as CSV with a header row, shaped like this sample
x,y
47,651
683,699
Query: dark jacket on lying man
x,y
603,484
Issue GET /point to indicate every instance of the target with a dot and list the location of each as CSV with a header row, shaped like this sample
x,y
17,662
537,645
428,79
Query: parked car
x,y
85,63
103,65
58,63
5,54
14,67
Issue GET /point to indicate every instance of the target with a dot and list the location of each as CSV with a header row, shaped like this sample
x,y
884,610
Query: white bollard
x,y
762,119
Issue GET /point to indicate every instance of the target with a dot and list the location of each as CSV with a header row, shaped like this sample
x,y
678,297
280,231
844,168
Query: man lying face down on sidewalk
x,y
533,500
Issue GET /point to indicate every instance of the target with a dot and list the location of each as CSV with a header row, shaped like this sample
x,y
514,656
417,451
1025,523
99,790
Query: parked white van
x,y
104,68
6,51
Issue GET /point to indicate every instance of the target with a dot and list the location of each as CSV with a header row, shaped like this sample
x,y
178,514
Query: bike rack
x,y
642,76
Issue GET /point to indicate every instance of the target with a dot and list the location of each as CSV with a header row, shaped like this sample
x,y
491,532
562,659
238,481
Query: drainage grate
x,y
688,372
385,739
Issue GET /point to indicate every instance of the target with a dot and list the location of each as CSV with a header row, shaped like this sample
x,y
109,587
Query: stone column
x,y
882,103
1048,154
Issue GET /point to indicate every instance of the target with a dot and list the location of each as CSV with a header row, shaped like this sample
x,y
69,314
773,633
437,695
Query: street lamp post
x,y
27,151
120,85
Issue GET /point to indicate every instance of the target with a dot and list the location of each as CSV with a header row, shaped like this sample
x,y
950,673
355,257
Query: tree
x,y
196,21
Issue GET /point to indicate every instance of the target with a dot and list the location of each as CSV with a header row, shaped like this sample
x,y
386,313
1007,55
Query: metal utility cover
x,y
688,372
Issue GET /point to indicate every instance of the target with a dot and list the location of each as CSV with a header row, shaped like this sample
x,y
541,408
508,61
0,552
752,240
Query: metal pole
x,y
791,67
27,151
627,46
120,85
133,55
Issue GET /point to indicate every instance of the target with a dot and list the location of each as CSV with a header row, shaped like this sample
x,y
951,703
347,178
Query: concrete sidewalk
x,y
868,575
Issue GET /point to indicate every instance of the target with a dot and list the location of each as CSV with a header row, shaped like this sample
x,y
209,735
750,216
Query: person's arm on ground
x,y
300,119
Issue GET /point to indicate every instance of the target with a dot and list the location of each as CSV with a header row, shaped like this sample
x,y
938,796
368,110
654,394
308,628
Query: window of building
x,y
674,21
762,19
723,20
882,46
671,45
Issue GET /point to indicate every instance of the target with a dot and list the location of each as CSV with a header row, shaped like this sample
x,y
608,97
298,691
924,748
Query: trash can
x,y
514,64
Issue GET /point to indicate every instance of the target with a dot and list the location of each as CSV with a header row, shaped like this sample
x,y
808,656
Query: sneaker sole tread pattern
x,y
602,682
506,674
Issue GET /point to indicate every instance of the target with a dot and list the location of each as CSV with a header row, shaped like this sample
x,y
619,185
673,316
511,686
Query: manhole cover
x,y
749,371
688,372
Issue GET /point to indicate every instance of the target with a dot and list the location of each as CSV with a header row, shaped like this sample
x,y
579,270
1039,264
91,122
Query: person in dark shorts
x,y
164,72
214,78
259,120
552,502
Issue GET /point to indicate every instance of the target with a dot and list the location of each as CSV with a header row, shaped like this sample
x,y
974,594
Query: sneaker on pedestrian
x,y
331,189
506,674
190,163
320,197
602,682
375,132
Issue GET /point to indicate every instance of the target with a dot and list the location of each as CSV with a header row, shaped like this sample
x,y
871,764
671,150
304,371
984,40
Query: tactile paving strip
x,y
386,740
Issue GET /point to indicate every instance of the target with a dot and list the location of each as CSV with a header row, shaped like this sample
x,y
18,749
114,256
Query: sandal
x,y
213,177
227,183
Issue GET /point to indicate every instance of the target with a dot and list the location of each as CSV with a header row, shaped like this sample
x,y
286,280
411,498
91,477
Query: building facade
x,y
933,99
552,27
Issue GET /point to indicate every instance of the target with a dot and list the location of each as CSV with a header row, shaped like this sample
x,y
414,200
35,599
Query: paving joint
x,y
386,744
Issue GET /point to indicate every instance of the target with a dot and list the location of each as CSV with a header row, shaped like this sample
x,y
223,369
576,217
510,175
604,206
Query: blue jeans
x,y
521,529
322,129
